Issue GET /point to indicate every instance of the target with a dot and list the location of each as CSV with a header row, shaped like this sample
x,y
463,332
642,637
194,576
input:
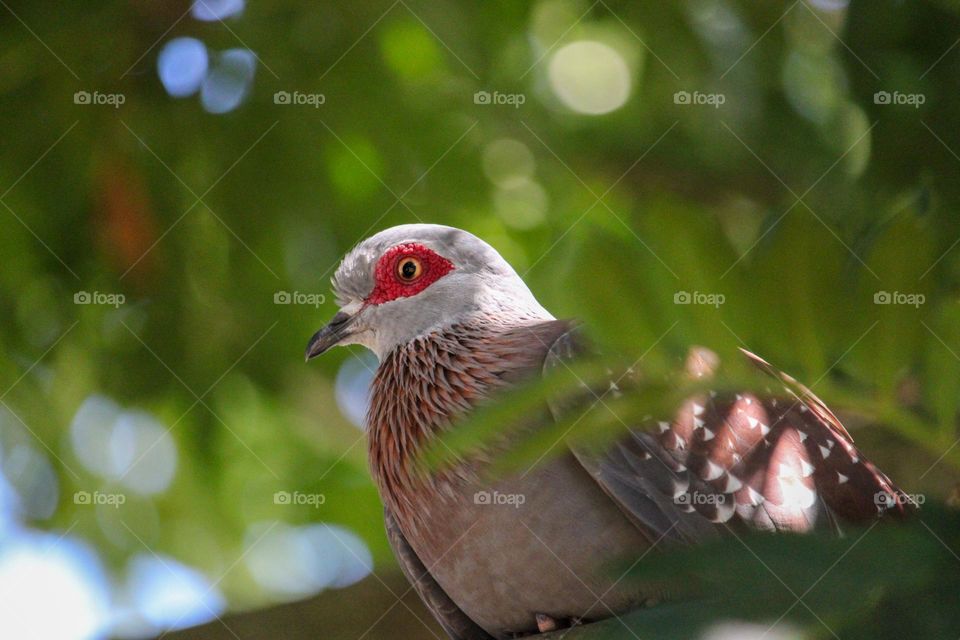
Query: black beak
x,y
330,336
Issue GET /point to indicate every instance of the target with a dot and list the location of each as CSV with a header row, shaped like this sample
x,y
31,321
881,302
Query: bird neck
x,y
423,386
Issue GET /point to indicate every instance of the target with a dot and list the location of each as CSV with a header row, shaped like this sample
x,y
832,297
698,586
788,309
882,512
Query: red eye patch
x,y
389,285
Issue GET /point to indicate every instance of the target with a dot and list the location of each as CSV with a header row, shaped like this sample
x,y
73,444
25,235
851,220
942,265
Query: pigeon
x,y
452,325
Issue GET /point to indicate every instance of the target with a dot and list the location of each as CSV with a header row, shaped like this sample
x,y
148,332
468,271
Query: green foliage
x,y
798,201
885,581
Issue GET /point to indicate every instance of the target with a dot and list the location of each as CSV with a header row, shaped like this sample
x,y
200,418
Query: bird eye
x,y
409,269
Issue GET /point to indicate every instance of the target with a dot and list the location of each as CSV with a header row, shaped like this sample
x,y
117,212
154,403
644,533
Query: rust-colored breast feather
x,y
422,386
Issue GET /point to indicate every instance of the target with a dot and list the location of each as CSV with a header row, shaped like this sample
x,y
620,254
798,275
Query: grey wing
x,y
454,621
636,472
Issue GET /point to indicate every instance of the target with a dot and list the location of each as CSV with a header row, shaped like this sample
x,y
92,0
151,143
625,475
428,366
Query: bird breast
x,y
420,388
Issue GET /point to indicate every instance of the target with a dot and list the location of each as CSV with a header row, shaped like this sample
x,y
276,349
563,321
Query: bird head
x,y
411,280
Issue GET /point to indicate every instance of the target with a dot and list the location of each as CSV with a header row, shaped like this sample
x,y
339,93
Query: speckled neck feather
x,y
422,386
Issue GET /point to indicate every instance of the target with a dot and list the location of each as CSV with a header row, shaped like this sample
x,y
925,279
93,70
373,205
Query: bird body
x,y
452,324
498,561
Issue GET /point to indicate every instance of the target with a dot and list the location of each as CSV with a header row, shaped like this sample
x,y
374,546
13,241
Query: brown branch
x,y
338,613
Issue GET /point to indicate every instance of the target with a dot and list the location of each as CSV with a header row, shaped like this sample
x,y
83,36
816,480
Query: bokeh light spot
x,y
130,447
182,66
228,82
211,10
143,454
292,561
353,168
51,588
522,205
830,5
90,433
283,561
410,50
9,506
352,388
507,162
590,77
35,481
356,561
170,595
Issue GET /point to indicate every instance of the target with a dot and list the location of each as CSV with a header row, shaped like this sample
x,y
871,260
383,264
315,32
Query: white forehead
x,y
354,278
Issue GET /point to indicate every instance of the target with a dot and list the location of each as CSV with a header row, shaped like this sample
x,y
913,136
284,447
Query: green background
x,y
798,200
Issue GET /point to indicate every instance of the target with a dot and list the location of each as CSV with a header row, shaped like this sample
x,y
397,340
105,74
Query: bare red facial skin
x,y
389,286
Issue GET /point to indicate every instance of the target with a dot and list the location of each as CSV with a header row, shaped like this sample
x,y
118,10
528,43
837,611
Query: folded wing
x,y
773,461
